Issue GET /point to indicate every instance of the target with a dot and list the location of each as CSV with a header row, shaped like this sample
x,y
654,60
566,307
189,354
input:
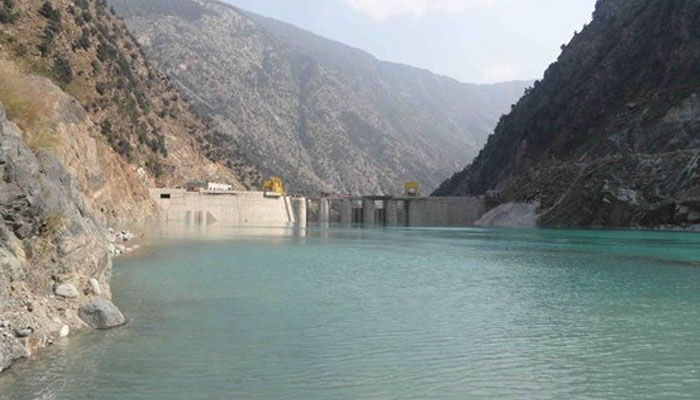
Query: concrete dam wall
x,y
377,211
255,209
252,209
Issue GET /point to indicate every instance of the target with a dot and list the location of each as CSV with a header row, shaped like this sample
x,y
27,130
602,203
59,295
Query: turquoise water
x,y
399,314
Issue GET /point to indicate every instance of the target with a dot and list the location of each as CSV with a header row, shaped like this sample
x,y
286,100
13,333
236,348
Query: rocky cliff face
x,y
611,135
320,114
49,237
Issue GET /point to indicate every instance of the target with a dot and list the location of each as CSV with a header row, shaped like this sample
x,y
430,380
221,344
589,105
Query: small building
x,y
218,187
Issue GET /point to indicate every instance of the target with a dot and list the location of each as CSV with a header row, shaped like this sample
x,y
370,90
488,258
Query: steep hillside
x,y
87,51
611,135
321,114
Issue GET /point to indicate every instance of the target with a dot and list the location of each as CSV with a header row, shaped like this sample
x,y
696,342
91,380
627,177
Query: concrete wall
x,y
417,212
231,208
444,211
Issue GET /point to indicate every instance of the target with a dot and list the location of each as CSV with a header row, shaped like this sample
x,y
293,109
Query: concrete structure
x,y
225,208
445,211
345,212
324,211
300,211
391,212
399,211
369,208
255,209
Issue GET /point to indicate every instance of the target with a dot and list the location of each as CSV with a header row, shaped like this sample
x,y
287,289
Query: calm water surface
x,y
398,314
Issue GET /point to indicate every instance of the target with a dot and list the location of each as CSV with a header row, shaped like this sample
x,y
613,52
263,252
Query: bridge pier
x,y
324,211
299,206
391,213
368,207
346,212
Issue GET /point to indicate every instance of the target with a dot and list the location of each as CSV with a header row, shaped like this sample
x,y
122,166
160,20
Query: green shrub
x,y
106,128
82,4
62,71
153,164
124,148
106,52
49,12
7,13
84,41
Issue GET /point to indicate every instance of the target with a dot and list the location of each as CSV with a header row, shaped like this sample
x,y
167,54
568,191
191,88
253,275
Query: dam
x,y
265,209
378,211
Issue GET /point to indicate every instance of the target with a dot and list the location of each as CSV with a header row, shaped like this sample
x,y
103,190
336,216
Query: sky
x,y
479,41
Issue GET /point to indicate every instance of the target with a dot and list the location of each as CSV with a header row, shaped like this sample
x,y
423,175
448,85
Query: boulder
x,y
95,286
66,290
65,330
23,332
101,313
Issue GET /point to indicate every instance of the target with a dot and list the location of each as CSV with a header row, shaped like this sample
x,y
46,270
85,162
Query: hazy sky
x,y
471,40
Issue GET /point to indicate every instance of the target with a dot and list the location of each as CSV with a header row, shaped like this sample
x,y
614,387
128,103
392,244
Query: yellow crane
x,y
273,186
411,189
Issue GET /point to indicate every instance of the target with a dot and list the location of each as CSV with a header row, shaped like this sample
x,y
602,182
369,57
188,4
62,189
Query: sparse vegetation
x,y
8,14
91,55
53,27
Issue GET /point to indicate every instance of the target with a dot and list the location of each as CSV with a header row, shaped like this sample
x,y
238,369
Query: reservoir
x,y
390,314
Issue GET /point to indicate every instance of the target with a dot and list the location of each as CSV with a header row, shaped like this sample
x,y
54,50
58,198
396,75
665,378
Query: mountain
x,y
87,125
324,116
611,135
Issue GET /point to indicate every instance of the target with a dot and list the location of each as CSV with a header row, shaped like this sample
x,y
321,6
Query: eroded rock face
x,y
101,313
50,240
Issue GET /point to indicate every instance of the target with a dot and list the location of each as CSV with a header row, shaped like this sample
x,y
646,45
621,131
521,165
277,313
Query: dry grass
x,y
80,88
27,105
54,222
42,139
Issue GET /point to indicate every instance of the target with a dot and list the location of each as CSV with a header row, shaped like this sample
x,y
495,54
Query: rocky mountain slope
x,y
88,52
86,126
322,115
611,135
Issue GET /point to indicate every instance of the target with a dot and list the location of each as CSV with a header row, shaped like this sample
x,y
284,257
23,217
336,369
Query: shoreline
x,y
76,303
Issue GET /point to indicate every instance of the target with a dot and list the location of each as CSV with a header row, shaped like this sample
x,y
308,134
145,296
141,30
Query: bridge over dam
x,y
262,209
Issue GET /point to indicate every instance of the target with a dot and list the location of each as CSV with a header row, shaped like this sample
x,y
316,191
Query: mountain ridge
x,y
325,116
609,136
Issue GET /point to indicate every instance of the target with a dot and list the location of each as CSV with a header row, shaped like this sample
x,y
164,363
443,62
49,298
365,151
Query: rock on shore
x,y
101,313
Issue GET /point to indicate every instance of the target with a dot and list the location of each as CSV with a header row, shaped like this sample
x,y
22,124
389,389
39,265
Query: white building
x,y
218,187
